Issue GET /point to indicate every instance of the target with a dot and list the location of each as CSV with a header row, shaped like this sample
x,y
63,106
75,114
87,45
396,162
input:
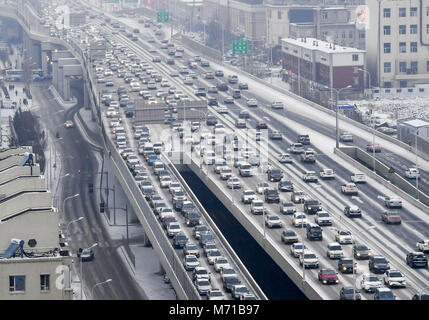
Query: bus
x,y
16,74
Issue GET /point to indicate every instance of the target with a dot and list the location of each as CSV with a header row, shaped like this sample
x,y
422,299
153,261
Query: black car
x,y
243,86
285,186
229,282
275,175
244,114
219,73
211,120
192,218
212,102
420,296
349,293
303,139
261,125
378,264
180,240
204,238
187,206
345,265
311,206
361,252
271,195
177,204
314,232
417,260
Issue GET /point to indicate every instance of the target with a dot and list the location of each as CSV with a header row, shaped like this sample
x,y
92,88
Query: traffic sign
x,y
350,107
239,47
163,16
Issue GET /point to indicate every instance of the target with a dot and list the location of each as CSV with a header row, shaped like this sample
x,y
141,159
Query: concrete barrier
x,y
392,181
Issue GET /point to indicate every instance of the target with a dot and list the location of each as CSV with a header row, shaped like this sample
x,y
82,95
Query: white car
x,y
165,182
412,173
335,251
166,212
309,176
358,178
252,103
203,286
213,255
219,129
201,273
261,187
344,237
215,294
299,219
296,148
222,109
248,196
370,282
220,263
392,202
297,248
233,183
423,245
323,218
227,272
284,158
349,188
173,229
273,221
257,207
277,105
191,262
111,111
209,158
346,137
327,174
225,173
309,259
394,278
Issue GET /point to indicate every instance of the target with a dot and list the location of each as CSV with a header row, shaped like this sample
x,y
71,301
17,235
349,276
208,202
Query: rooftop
x,y
324,46
417,123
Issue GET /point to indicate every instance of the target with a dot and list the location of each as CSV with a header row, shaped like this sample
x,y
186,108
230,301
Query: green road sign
x,y
163,16
239,47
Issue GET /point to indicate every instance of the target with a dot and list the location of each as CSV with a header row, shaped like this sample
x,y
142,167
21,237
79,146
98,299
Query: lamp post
x,y
81,277
68,198
417,157
73,221
99,284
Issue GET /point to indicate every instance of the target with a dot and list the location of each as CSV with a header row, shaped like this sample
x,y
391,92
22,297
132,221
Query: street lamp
x,y
73,221
81,277
417,168
68,198
337,130
99,284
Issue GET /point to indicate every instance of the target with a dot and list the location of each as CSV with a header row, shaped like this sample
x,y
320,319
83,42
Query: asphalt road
x,y
78,159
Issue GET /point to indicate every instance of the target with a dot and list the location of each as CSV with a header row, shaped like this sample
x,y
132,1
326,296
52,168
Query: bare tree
x,y
27,72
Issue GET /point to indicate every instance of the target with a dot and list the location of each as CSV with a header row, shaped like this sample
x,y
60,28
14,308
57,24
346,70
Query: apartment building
x,y
34,262
397,43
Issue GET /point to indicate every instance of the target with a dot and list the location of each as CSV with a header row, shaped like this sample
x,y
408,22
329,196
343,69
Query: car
x,y
289,237
297,148
312,206
297,248
384,294
208,247
423,245
227,271
310,176
309,259
219,73
173,229
191,262
374,148
238,290
243,86
248,196
261,125
392,202
192,218
378,264
69,124
346,137
346,265
344,237
334,251
244,114
240,124
417,260
420,296
271,195
85,254
277,105
394,279
412,173
370,282
304,139
275,175
314,232
275,135
358,178
201,273
203,286
352,211
285,186
215,294
179,240
391,217
308,155
284,158
327,174
349,189
361,252
328,276
257,207
212,255
287,208
273,221
349,293
233,183
261,186
232,79
299,220
225,173
323,218
229,282
298,196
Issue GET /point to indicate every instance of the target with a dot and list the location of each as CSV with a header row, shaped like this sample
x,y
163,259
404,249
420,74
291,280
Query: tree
x,y
27,72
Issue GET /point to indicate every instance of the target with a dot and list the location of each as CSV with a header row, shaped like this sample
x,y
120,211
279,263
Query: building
x,y
322,65
407,129
397,43
34,260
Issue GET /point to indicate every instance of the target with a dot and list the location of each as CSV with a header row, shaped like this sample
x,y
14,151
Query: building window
x,y
16,283
279,15
355,57
402,29
388,84
402,47
44,282
402,66
386,12
421,89
413,46
403,83
402,12
361,35
413,29
386,30
410,90
387,67
398,90
324,15
413,12
414,67
387,47
351,34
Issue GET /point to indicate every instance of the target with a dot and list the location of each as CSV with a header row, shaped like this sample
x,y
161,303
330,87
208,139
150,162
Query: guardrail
x,y
219,234
393,181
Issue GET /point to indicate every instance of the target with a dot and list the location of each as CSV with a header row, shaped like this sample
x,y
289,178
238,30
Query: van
x,y
236,94
314,232
148,148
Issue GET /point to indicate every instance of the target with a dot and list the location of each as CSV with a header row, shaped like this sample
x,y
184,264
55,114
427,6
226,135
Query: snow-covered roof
x,y
417,123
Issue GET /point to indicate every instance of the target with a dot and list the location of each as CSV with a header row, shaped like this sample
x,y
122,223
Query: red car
x,y
374,148
261,125
328,276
